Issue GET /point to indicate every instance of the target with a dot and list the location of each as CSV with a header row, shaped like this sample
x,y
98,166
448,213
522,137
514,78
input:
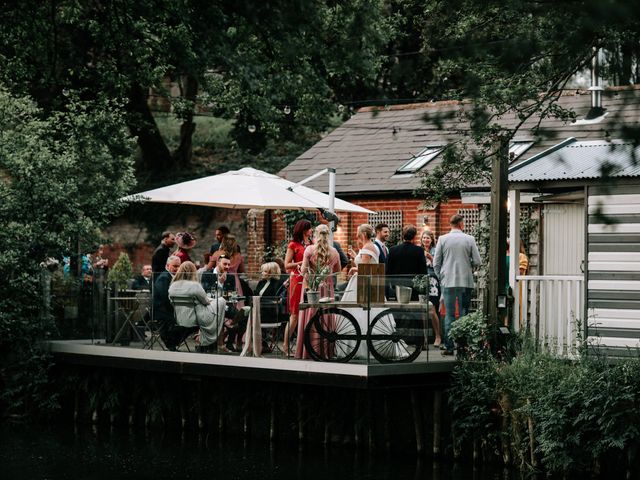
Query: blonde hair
x,y
272,269
186,271
322,245
366,230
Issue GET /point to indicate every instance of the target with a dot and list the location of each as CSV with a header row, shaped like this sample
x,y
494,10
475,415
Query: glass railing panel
x,y
367,318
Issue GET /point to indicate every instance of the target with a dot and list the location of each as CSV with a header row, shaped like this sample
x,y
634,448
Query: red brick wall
x,y
412,213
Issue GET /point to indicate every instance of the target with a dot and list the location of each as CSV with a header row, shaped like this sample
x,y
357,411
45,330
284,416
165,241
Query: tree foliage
x,y
550,413
517,57
277,66
61,175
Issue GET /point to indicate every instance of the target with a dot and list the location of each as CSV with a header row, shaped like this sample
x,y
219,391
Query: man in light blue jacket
x,y
456,257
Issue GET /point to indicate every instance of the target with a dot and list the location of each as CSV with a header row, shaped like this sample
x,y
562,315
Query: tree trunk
x,y
189,90
156,157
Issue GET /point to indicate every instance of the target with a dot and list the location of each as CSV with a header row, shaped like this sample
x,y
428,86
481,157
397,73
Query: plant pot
x,y
403,294
423,298
313,297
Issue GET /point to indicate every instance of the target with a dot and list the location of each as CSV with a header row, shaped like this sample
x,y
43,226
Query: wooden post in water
x,y
272,421
417,421
437,415
370,425
387,433
327,420
357,420
200,407
300,419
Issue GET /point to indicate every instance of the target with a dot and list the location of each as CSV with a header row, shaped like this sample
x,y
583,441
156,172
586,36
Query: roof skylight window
x,y
421,159
518,147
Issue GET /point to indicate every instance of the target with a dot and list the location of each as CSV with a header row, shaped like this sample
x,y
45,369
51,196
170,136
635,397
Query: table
x,y
131,305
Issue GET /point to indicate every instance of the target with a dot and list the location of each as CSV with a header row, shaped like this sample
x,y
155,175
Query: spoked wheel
x,y
395,337
332,335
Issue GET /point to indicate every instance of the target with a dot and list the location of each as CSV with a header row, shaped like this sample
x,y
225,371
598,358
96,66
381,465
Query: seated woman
x,y
269,288
205,313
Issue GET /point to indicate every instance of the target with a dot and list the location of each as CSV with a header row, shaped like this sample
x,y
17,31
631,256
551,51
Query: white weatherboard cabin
x,y
590,241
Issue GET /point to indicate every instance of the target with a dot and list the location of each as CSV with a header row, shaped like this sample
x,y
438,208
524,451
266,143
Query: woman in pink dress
x,y
292,263
317,256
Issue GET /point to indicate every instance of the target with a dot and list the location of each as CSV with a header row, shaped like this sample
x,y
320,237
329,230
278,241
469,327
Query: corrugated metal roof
x,y
580,160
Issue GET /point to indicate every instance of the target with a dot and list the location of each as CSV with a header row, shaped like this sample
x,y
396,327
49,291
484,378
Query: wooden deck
x,y
430,368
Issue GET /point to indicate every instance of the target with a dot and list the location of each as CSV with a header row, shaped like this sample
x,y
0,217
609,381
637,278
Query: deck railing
x,y
551,308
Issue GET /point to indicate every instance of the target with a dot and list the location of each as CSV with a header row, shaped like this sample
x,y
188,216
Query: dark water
x,y
86,453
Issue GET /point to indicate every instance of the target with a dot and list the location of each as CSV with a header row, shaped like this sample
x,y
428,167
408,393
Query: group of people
x,y
211,301
181,305
448,263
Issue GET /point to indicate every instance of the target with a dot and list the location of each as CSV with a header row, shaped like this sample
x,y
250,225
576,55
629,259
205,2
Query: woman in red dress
x,y
293,262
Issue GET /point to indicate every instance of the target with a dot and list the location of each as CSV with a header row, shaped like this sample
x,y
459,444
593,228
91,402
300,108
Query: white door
x,y
563,237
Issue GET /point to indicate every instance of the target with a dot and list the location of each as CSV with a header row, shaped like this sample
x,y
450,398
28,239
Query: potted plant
x,y
470,334
121,272
317,276
421,285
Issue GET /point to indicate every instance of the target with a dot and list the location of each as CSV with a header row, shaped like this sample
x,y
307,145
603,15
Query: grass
x,y
211,133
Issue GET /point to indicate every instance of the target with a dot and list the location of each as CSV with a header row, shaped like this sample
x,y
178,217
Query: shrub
x,y
121,272
562,415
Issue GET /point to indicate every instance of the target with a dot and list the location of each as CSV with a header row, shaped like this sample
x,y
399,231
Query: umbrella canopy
x,y
245,188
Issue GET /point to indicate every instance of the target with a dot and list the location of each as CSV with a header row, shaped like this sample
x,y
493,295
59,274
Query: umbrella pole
x,y
332,200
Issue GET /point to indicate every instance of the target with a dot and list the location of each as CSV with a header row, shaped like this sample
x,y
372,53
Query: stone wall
x,y
134,238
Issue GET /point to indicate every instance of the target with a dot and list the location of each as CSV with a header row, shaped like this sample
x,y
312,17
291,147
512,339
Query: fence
x,y
551,308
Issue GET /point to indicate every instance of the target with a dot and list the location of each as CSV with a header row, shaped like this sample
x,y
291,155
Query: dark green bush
x,y
551,413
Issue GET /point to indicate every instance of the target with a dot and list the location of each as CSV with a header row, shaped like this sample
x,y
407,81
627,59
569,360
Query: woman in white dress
x,y
368,254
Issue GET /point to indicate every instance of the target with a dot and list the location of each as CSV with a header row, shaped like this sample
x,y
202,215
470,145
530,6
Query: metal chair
x,y
183,301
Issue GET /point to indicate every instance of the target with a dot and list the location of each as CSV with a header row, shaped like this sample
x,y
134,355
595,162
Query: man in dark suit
x,y
213,274
143,281
162,308
160,254
221,232
382,234
406,260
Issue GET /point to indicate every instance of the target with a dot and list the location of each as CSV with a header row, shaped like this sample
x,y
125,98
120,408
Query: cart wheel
x,y
332,335
390,340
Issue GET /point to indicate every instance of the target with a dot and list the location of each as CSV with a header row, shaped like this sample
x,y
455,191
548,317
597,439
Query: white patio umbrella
x,y
245,188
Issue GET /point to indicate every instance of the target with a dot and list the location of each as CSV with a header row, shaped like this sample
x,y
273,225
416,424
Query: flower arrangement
x,y
317,276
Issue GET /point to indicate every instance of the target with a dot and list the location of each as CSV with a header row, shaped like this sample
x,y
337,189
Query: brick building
x,y
380,153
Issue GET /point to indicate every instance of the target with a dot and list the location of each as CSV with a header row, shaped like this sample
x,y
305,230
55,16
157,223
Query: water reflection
x,y
104,453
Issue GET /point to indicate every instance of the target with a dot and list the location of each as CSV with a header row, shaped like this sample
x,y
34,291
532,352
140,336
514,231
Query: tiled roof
x,y
366,153
580,160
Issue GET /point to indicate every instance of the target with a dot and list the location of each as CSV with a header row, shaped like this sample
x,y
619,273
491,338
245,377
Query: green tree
x,y
61,176
517,57
277,66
